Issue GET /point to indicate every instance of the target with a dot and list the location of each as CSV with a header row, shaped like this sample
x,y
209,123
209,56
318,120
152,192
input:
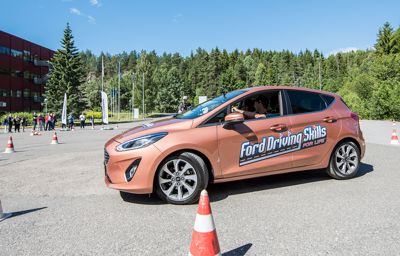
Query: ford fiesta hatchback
x,y
242,134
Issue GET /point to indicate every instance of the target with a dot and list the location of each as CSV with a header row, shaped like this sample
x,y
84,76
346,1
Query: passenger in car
x,y
260,106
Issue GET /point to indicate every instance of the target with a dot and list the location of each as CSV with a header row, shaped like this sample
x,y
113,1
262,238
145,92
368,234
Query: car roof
x,y
273,87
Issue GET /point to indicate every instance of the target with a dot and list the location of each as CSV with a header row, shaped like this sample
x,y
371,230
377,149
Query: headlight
x,y
141,142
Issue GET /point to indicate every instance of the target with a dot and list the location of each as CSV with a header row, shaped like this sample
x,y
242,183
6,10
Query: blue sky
x,y
182,26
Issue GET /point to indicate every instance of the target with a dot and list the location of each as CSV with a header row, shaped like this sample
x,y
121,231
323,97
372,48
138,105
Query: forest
x,y
368,80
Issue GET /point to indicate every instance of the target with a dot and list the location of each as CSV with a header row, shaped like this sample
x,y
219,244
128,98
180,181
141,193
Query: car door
x,y
255,146
312,117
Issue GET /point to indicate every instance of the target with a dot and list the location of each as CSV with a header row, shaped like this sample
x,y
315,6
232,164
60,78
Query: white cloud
x,y
91,19
75,11
177,18
343,50
95,3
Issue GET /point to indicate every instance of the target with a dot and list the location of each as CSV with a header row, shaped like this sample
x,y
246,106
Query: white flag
x,y
104,107
64,111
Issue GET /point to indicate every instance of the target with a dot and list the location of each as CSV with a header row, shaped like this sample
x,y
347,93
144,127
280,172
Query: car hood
x,y
165,125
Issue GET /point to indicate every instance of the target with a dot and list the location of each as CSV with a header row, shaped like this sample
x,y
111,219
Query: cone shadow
x,y
240,251
15,214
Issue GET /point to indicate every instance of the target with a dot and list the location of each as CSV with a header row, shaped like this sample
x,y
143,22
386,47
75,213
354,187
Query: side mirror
x,y
232,119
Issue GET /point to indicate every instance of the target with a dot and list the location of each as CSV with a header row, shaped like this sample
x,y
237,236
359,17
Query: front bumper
x,y
116,163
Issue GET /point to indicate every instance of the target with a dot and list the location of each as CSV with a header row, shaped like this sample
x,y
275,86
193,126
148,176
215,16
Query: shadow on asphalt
x,y
15,214
240,251
221,191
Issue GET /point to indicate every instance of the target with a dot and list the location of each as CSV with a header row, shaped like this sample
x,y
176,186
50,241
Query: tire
x,y
345,161
185,185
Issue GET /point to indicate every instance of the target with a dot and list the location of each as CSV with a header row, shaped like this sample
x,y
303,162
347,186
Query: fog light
x,y
131,170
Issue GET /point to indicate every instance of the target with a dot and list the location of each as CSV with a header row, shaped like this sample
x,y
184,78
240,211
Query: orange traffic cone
x,y
54,140
3,215
204,236
10,146
395,139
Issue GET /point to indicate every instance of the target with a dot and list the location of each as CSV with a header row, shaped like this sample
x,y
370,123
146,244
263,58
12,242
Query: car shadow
x,y
149,199
221,191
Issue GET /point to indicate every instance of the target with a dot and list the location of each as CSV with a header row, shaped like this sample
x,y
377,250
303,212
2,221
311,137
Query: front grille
x,y
106,156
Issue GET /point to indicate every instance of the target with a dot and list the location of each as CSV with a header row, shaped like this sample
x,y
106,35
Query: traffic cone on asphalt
x,y
204,236
395,139
54,140
10,146
3,215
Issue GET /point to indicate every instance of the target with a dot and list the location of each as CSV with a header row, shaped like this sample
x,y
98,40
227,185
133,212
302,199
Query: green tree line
x,y
368,80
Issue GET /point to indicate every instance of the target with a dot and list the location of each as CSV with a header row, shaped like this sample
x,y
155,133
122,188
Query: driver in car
x,y
260,105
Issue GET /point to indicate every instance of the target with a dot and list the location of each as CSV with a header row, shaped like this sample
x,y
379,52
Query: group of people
x,y
82,120
46,123
16,121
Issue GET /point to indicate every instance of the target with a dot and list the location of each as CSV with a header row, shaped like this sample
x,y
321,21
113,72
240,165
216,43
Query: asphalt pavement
x,y
61,206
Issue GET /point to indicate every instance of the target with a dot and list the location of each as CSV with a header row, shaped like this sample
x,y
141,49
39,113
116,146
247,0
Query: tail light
x,y
354,116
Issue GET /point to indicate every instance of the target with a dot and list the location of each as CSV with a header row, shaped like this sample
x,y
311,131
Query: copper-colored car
x,y
302,129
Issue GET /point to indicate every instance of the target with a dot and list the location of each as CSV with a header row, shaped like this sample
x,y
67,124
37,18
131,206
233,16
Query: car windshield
x,y
210,105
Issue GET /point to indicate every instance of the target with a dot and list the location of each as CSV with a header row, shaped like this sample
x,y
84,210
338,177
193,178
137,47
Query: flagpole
x,y
133,94
143,94
119,91
102,89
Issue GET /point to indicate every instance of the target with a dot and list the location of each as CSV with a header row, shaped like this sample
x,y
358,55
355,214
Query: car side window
x,y
304,102
217,118
270,101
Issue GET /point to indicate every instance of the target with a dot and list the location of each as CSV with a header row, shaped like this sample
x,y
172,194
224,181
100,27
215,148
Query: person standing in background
x,y
40,122
17,124
83,119
34,121
46,119
10,123
92,121
23,123
5,123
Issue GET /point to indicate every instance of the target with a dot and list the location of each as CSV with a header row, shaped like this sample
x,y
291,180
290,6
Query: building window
x,y
3,104
3,93
16,53
36,97
4,50
26,93
27,56
18,93
17,73
4,71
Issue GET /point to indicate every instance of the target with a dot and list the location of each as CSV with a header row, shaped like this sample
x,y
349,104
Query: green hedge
x,y
28,116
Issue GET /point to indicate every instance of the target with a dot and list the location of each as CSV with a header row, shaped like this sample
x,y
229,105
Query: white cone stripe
x,y
204,223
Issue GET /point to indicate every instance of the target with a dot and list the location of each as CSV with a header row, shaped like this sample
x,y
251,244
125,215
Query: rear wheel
x,y
345,161
181,178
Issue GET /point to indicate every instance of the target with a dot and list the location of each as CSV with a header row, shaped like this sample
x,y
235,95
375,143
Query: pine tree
x,y
385,39
66,76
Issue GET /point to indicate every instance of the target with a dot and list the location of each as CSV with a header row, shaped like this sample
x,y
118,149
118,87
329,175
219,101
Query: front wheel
x,y
181,178
345,161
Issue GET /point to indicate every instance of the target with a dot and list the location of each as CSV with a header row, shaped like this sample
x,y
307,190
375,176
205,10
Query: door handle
x,y
329,119
278,127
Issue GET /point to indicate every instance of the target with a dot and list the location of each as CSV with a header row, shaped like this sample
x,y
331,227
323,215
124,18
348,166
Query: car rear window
x,y
328,99
304,102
